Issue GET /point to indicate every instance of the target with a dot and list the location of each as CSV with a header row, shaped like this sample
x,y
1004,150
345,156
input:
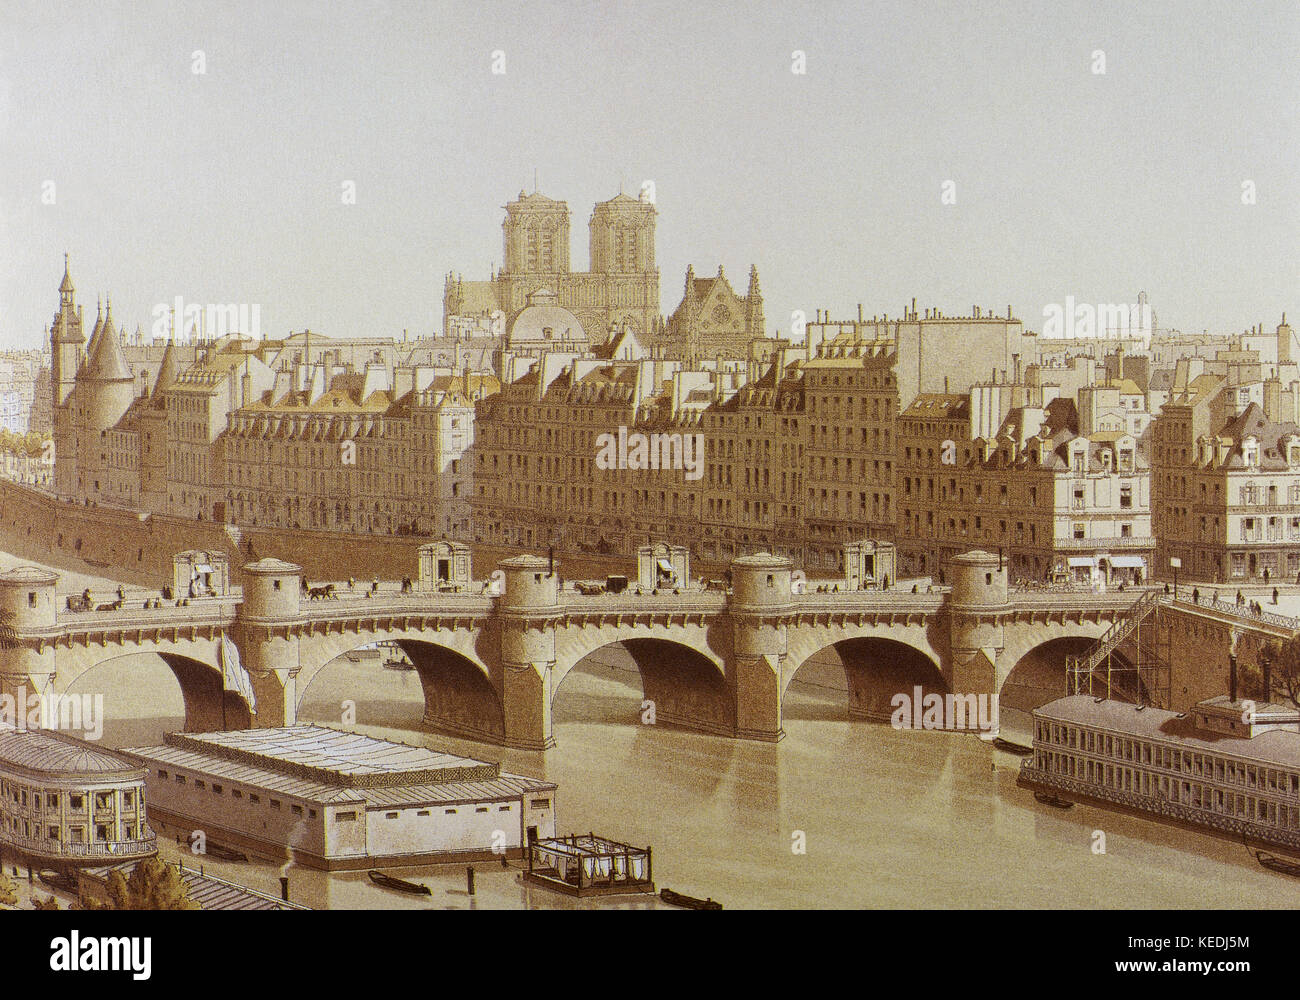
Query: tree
x,y
1284,662
152,885
8,890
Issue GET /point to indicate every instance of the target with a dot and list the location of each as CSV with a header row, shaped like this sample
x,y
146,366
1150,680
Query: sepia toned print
x,y
896,506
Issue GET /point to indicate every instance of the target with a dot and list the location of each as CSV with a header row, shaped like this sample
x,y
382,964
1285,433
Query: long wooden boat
x,y
59,880
225,853
400,884
1048,799
1008,747
688,902
1273,863
396,664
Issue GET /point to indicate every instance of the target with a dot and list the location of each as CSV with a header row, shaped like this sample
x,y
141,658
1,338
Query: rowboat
x,y
688,902
1048,799
59,880
225,853
400,884
1273,863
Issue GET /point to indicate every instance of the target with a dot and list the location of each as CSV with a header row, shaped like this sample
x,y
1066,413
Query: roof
x,y
107,364
329,766
351,758
210,892
1278,747
46,752
166,375
28,574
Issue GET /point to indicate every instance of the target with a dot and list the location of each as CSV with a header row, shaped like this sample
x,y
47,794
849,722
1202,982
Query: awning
x,y
1128,562
1082,561
665,566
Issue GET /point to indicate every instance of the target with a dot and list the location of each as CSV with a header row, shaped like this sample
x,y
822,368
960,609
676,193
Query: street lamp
x,y
1176,563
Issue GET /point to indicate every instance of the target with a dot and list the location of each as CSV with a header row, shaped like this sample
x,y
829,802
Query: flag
x,y
233,675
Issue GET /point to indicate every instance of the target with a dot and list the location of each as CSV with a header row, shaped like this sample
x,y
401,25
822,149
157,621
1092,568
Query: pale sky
x,y
226,186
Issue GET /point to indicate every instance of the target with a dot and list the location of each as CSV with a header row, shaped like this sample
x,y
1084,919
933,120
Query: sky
x,y
228,185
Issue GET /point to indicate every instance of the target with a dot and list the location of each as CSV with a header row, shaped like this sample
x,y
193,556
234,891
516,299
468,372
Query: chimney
x,y
284,887
1232,677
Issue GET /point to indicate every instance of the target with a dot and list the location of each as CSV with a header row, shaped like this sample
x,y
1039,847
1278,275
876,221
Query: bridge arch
x,y
208,707
460,695
1038,675
685,686
873,667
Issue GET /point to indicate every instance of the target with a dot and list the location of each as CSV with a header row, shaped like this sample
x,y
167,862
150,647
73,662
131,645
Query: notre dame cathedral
x,y
622,286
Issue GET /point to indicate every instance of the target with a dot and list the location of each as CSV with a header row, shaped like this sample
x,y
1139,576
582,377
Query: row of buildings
x,y
559,410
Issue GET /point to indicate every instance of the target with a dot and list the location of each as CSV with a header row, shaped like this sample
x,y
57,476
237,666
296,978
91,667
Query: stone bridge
x,y
715,661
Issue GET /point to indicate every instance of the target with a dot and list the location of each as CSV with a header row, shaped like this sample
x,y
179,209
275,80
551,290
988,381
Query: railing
x,y
1237,611
1114,542
1199,816
94,849
1112,637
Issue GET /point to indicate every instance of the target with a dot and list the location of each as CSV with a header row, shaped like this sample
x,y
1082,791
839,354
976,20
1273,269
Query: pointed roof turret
x,y
99,325
65,286
107,363
166,374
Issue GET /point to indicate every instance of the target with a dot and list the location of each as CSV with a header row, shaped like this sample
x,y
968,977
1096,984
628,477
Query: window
x,y
345,817
296,810
540,803
390,815
449,812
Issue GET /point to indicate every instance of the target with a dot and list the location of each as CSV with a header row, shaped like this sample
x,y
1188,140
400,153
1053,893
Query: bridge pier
x,y
268,644
27,669
528,610
977,635
761,598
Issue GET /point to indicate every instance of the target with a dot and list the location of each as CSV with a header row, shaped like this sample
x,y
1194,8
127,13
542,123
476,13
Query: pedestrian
x,y
1196,595
1274,595
352,583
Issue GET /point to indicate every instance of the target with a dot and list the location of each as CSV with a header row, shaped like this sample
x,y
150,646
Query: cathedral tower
x,y
536,236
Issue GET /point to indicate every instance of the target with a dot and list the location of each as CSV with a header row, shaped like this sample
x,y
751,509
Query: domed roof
x,y
54,753
543,319
28,574
271,565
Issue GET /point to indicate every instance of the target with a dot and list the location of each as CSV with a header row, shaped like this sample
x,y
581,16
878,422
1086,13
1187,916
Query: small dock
x,y
587,865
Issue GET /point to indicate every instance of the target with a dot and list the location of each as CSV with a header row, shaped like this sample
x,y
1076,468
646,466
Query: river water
x,y
839,814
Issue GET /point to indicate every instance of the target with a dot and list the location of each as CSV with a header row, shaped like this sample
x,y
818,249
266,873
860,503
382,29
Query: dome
x,y
544,320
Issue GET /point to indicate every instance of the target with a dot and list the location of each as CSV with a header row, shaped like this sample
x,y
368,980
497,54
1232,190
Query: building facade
x,y
622,285
340,800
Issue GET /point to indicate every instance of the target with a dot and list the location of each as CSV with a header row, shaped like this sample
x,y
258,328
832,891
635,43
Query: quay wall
x,y
137,548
